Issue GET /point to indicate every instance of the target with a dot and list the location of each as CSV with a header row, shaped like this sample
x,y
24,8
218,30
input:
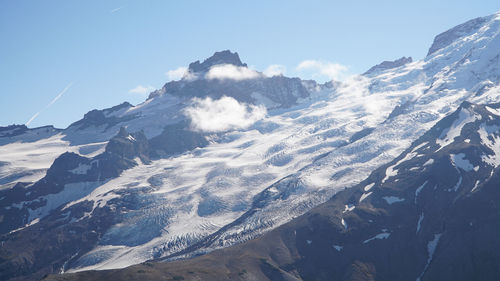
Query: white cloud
x,y
229,71
224,114
332,71
275,70
177,74
141,90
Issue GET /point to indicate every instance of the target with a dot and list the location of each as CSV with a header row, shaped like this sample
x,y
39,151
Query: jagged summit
x,y
222,57
250,87
389,65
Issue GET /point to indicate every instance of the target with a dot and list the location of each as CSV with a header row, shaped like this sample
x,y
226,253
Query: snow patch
x,y
457,185
368,187
419,223
475,186
419,146
391,172
349,208
338,248
431,249
461,162
489,137
429,162
417,191
383,235
493,111
344,223
364,195
35,221
82,169
392,199
448,135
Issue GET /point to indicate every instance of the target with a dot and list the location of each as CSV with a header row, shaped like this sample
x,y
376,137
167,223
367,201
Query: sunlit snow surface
x,y
28,161
195,194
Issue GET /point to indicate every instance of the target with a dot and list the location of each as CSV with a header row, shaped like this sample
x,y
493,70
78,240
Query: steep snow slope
x,y
418,94
26,156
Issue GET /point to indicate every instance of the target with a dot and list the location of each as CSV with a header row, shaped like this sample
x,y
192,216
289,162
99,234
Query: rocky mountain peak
x,y
222,57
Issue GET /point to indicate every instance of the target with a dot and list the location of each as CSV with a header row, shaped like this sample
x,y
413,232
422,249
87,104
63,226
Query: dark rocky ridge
x,y
100,117
12,130
222,57
389,65
282,91
21,133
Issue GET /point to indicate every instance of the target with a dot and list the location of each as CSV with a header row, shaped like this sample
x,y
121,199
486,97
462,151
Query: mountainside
x,y
169,178
432,213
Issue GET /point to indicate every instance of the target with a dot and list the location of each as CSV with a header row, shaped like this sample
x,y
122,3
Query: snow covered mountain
x,y
432,213
180,186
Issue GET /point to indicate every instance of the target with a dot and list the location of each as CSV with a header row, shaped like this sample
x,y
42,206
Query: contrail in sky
x,y
50,103
116,9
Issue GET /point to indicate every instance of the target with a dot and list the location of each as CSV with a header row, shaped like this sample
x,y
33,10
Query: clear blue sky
x,y
107,48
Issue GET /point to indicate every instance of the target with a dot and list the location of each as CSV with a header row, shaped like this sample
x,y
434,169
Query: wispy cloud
x,y
275,70
224,114
116,9
317,69
142,90
229,71
177,74
50,103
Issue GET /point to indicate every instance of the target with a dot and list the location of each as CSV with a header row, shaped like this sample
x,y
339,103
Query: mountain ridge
x,y
236,185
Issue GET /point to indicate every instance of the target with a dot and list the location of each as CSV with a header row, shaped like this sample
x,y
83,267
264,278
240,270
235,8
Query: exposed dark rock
x,y
222,57
282,91
21,133
12,130
388,65
175,139
100,117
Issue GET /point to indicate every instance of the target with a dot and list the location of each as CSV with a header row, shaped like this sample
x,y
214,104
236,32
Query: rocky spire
x,y
222,57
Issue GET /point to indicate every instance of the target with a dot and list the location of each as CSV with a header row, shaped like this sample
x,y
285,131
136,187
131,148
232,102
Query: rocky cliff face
x,y
218,58
235,79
